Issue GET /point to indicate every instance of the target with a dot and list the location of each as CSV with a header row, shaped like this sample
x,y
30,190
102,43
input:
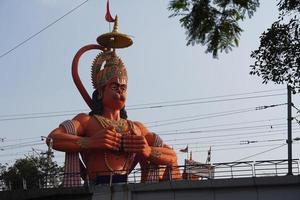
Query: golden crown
x,y
112,64
112,67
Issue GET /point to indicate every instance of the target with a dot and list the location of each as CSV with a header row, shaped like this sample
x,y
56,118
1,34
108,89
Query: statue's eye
x,y
123,88
114,87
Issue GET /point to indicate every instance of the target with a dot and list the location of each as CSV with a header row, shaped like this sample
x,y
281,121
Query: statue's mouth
x,y
122,98
119,97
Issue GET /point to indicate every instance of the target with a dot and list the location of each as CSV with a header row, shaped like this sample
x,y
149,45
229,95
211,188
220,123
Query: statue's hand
x,y
105,139
136,144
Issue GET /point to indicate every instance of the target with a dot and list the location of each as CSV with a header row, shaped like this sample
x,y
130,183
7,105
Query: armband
x,y
158,142
69,126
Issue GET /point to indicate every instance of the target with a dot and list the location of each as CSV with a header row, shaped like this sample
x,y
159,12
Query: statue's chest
x,y
125,127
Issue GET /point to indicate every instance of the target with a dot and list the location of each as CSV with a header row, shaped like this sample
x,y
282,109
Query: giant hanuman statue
x,y
104,146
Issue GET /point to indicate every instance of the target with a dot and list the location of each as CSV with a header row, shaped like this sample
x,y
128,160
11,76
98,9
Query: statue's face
x,y
115,94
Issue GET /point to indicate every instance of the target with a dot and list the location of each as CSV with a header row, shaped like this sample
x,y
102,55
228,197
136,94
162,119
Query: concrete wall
x,y
48,194
259,188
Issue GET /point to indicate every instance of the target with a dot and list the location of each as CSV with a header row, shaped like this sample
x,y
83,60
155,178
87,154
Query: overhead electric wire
x,y
212,142
232,144
298,110
34,143
80,110
208,116
29,145
240,136
220,149
224,145
247,147
223,140
86,110
17,153
256,154
212,115
196,116
44,113
74,112
21,146
244,135
37,117
204,116
225,129
257,146
256,108
17,144
297,120
12,154
203,98
18,139
202,142
43,29
184,131
201,102
223,135
59,115
220,125
229,141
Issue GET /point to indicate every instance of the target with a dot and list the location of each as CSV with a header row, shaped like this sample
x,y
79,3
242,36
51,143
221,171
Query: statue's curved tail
x,y
75,75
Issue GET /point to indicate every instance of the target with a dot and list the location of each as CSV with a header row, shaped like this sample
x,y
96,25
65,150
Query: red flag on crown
x,y
108,16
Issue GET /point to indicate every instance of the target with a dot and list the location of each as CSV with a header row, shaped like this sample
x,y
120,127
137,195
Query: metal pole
x,y
289,119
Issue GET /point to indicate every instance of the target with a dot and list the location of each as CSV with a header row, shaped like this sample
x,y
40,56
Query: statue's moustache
x,y
122,98
119,96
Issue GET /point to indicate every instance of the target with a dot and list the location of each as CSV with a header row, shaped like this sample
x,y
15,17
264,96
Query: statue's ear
x,y
100,92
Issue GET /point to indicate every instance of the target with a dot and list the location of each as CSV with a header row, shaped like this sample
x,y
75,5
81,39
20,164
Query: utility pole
x,y
49,160
289,129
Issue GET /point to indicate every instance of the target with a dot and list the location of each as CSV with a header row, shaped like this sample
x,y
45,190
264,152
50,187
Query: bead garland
x,y
121,126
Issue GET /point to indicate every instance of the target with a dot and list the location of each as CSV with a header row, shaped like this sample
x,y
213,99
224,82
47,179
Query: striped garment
x,y
153,173
72,162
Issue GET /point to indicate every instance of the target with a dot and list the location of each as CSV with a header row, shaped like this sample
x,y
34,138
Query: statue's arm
x,y
62,140
158,152
164,155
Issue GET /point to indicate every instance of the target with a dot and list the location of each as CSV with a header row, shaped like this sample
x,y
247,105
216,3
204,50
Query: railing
x,y
255,168
274,167
229,170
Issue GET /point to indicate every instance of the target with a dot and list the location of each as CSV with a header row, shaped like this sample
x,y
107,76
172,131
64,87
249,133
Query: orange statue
x,y
107,141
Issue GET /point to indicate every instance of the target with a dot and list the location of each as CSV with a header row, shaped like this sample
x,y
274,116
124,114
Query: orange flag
x,y
185,150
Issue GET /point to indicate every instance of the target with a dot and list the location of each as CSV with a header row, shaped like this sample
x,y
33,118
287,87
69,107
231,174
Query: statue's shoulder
x,y
82,118
141,127
150,136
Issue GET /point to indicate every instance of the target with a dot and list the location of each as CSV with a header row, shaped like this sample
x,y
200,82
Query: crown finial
x,y
116,25
114,39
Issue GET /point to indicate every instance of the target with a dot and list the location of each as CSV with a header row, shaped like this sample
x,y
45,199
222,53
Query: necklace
x,y
121,171
119,125
122,127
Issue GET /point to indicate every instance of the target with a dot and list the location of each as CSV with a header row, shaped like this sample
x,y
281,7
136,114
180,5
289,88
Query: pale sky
x,y
36,78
